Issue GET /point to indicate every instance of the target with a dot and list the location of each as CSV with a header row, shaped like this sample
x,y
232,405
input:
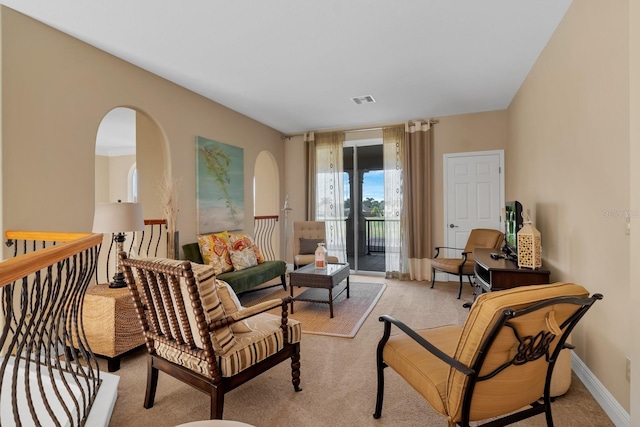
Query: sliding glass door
x,y
364,204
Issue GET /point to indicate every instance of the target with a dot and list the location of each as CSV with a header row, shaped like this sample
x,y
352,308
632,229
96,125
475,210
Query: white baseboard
x,y
612,408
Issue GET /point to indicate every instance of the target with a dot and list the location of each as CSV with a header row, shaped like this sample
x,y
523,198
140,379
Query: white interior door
x,y
473,195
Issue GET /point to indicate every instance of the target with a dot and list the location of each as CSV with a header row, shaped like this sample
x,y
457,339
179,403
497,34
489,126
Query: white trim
x,y
609,404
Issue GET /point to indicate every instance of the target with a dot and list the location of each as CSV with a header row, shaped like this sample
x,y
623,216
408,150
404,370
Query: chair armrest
x,y
251,311
426,345
437,248
464,259
260,308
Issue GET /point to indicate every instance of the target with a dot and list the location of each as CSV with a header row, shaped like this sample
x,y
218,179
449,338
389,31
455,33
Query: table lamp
x,y
118,219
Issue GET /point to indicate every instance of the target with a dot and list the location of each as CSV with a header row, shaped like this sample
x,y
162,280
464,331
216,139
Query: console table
x,y
499,274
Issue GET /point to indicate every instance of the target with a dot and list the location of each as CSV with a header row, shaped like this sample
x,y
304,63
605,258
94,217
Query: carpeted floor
x,y
348,313
337,377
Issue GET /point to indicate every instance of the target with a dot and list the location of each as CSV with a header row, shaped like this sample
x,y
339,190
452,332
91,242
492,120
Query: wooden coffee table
x,y
317,279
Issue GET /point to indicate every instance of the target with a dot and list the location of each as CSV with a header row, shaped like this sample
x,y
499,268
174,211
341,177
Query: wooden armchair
x,y
500,361
464,266
196,331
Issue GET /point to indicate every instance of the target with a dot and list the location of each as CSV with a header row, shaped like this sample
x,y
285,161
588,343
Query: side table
x,y
111,323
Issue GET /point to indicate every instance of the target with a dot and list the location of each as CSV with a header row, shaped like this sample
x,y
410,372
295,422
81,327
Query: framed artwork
x,y
219,186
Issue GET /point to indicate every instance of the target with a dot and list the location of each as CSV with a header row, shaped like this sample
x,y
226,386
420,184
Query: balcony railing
x,y
151,242
263,230
43,288
375,235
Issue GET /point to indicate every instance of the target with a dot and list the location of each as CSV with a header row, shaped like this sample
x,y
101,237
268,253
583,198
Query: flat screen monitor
x,y
512,224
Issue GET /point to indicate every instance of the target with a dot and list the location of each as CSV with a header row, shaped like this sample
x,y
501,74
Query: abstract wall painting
x,y
219,186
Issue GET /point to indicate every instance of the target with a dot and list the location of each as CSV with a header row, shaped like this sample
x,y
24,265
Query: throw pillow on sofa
x,y
214,249
240,241
244,258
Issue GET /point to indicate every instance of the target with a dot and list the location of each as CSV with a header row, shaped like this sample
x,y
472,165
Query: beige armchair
x,y
464,266
500,361
306,236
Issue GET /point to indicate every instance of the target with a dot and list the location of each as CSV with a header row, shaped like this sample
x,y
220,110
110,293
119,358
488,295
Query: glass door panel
x,y
364,206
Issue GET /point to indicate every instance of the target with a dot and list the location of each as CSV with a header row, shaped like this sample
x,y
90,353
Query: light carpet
x,y
348,313
338,378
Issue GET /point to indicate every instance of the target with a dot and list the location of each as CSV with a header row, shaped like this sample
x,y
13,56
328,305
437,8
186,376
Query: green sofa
x,y
244,280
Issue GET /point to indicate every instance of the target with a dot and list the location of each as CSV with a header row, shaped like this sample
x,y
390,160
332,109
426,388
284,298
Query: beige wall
x,y
119,170
567,163
56,90
461,134
634,137
102,179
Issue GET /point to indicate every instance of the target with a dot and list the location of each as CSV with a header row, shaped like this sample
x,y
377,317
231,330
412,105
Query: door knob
x,y
453,226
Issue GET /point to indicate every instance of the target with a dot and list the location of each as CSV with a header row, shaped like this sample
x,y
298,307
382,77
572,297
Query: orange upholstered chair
x,y
500,361
464,266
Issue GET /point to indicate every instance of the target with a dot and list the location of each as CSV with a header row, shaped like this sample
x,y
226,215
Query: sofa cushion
x,y
192,252
265,339
242,281
215,251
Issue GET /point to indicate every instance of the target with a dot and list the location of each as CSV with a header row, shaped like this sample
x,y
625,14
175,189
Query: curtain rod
x,y
353,130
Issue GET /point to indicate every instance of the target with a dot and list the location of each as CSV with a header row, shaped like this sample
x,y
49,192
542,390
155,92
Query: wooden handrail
x,y
266,217
154,221
46,236
22,265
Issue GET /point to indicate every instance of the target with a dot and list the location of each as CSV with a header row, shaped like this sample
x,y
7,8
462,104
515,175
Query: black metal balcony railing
x,y
42,290
152,241
263,228
375,235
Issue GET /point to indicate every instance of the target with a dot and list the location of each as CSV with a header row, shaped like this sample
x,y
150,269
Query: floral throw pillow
x,y
214,249
244,258
242,241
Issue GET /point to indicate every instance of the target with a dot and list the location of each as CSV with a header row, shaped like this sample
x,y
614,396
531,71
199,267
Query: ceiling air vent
x,y
367,99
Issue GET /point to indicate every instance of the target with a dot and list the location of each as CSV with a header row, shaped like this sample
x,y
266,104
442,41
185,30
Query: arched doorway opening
x,y
130,162
266,201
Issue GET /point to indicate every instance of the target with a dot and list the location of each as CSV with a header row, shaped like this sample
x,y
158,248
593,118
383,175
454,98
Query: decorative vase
x,y
321,256
173,244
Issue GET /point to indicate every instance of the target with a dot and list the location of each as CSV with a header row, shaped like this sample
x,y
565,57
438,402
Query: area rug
x,y
348,313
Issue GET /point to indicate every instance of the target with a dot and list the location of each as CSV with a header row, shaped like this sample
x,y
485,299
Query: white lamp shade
x,y
118,217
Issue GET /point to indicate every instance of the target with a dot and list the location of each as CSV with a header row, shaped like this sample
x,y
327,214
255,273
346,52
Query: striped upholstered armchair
x,y
196,330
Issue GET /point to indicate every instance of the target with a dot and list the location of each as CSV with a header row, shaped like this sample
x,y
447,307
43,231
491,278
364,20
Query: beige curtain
x,y
329,191
417,199
393,142
309,139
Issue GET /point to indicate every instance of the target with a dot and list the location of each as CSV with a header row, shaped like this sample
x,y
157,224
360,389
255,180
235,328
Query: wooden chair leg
x,y
295,369
217,403
152,383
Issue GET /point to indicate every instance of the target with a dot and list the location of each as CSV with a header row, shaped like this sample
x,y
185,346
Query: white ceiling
x,y
295,64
